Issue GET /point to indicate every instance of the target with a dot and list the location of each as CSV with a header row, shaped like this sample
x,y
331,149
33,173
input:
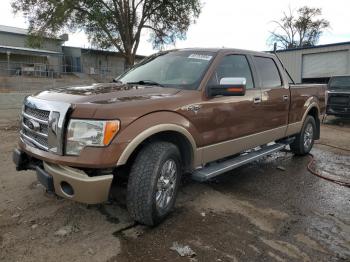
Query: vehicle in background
x,y
338,96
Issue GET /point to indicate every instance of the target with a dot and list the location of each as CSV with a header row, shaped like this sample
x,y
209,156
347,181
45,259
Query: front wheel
x,y
153,183
304,141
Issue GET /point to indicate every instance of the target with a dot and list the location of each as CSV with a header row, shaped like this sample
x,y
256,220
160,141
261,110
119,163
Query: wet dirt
x,y
270,210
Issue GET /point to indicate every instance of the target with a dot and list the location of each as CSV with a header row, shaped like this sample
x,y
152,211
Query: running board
x,y
215,169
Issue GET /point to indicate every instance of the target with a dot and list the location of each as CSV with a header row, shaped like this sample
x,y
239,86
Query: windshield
x,y
340,82
182,69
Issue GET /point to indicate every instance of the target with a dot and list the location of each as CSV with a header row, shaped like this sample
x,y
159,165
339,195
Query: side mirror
x,y
229,86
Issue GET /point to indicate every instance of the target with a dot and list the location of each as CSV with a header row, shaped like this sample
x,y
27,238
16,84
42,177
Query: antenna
x,y
284,68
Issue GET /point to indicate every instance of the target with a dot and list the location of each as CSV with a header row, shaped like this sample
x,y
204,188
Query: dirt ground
x,y
270,210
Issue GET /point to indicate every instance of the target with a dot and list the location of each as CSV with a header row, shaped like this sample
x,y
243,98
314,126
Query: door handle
x,y
285,97
257,100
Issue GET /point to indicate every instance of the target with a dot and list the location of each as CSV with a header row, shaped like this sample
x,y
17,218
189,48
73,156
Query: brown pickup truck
x,y
197,112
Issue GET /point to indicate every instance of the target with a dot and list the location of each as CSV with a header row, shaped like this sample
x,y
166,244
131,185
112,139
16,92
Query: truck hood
x,y
117,101
106,93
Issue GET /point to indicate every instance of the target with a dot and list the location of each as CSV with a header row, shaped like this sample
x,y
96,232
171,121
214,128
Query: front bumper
x,y
90,157
65,181
338,110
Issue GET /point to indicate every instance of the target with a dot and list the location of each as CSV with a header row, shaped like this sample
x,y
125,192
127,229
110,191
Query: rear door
x,y
275,100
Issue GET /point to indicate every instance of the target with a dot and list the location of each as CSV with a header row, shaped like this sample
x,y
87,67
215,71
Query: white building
x,y
50,58
17,55
318,63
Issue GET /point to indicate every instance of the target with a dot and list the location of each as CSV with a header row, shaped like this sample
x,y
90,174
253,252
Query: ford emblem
x,y
33,125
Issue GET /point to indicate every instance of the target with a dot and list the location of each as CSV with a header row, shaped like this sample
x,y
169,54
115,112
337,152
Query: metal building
x,y
102,65
18,57
52,59
318,63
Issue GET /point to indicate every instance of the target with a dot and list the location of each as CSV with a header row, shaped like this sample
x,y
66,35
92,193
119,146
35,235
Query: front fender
x,y
141,129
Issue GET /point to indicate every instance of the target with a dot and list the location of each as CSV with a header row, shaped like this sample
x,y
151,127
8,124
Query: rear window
x,y
268,72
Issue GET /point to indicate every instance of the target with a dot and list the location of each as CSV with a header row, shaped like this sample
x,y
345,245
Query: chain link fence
x,y
27,77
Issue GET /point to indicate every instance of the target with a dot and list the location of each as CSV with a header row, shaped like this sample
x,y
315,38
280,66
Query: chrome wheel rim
x,y
308,136
166,185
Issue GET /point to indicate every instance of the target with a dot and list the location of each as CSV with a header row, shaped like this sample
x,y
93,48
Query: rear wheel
x,y
153,183
304,141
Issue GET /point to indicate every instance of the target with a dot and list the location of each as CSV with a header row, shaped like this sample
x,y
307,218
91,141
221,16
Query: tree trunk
x,y
129,60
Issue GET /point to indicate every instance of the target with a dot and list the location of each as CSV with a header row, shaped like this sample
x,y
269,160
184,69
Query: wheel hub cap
x,y
308,136
166,184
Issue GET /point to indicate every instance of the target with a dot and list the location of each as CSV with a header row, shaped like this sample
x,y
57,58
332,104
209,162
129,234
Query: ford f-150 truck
x,y
197,112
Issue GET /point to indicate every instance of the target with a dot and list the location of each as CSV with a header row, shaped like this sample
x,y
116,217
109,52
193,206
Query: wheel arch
x,y
314,111
173,133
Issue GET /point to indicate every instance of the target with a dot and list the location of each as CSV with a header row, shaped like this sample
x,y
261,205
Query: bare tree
x,y
297,29
112,23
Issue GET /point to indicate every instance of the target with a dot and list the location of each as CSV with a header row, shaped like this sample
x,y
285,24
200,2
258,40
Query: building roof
x,y
193,49
313,47
13,30
25,50
22,31
95,50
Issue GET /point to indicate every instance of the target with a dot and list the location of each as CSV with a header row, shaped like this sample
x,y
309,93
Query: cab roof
x,y
226,50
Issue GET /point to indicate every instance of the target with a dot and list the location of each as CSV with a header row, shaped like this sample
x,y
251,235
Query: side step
x,y
215,169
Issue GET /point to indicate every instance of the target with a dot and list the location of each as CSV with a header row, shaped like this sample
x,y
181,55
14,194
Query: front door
x,y
224,122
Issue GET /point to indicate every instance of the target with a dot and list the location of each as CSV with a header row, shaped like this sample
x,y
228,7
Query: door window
x,y
233,66
268,72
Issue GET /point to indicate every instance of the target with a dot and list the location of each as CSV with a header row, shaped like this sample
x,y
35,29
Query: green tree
x,y
112,23
298,29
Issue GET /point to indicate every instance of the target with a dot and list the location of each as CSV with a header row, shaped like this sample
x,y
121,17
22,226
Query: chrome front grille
x,y
43,124
339,100
37,113
36,139
35,126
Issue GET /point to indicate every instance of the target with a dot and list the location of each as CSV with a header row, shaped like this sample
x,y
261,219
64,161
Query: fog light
x,y
67,188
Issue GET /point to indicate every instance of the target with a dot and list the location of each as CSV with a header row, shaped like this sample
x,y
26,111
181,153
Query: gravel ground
x,y
270,210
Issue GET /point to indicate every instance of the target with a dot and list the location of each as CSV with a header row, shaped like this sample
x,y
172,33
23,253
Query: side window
x,y
268,72
233,66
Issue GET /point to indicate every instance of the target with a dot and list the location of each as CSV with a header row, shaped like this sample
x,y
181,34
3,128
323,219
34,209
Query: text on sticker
x,y
202,57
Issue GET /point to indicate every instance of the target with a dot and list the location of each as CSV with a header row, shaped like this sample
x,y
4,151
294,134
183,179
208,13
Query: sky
x,y
228,23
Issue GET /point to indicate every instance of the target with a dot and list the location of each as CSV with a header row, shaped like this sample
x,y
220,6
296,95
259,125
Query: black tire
x,y
143,184
299,146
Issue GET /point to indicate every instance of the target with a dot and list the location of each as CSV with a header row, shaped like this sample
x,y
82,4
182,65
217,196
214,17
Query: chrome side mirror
x,y
229,86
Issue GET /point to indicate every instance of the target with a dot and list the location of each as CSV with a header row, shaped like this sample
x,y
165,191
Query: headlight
x,y
82,133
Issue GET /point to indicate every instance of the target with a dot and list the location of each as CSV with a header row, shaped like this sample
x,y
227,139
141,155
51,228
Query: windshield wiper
x,y
116,81
145,82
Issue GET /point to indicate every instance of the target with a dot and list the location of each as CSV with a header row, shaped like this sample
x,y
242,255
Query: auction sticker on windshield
x,y
201,57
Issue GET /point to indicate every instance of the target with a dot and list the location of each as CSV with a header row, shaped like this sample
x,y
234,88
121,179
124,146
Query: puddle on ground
x,y
263,218
117,216
286,248
309,242
199,244
276,257
331,163
332,233
272,160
